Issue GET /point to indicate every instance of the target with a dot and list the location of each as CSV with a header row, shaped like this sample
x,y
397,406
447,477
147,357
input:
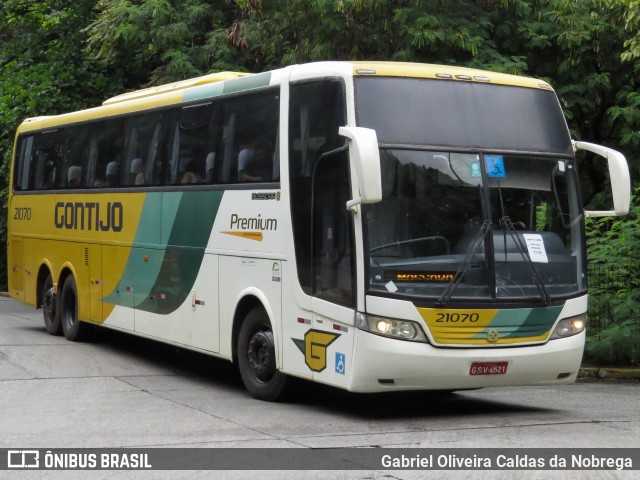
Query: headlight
x,y
570,326
389,327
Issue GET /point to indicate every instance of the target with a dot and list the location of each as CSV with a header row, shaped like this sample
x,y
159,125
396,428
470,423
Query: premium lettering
x,y
89,216
257,223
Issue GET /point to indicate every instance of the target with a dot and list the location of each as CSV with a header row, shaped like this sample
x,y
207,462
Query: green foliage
x,y
160,41
612,248
619,344
42,71
614,261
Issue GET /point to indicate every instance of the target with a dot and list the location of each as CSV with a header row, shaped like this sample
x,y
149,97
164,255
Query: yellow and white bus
x,y
371,226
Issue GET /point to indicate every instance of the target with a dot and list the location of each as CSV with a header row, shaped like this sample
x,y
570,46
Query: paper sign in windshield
x,y
535,245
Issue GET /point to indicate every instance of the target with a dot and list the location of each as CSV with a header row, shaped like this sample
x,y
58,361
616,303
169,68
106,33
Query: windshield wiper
x,y
464,266
507,226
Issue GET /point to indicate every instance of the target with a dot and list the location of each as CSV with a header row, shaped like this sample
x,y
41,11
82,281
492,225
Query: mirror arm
x,y
352,205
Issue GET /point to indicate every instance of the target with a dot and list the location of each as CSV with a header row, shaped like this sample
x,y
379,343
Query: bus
x,y
373,226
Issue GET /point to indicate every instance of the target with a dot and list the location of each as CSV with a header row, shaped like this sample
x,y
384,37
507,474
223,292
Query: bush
x,y
614,297
618,344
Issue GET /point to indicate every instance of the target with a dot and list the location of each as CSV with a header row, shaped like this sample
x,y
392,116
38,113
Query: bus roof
x,y
444,72
181,85
228,82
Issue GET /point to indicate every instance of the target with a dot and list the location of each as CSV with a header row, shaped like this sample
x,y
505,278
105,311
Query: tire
x,y
73,329
257,358
50,311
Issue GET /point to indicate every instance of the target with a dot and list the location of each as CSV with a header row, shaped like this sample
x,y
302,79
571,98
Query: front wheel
x,y
49,310
72,327
257,358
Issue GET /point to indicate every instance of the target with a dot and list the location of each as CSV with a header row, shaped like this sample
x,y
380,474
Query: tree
x,y
57,55
159,41
42,71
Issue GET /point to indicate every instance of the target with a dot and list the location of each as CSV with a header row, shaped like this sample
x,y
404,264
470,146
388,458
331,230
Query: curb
x,y
605,373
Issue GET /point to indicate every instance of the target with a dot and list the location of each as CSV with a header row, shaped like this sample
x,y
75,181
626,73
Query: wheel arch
x,y
248,300
66,270
44,270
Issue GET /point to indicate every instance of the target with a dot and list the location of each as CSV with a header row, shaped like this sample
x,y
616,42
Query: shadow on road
x,y
393,405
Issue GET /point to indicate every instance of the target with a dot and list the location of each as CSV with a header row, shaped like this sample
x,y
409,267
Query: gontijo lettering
x,y
89,216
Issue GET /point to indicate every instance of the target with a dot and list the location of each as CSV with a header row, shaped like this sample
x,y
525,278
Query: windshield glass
x,y
474,226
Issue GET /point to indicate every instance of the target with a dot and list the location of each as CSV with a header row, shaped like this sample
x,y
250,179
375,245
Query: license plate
x,y
488,368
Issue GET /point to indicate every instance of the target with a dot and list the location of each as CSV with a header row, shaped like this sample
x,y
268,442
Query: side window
x,y
106,147
47,158
332,230
22,163
250,135
26,161
317,111
194,139
144,151
76,172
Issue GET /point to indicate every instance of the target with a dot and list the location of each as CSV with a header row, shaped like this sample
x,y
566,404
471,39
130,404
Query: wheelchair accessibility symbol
x,y
340,363
495,166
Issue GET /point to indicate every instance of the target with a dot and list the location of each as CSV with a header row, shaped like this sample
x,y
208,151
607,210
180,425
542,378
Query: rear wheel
x,y
73,329
49,310
257,358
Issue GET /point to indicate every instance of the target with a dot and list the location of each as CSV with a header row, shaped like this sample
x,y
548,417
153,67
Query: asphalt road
x,y
122,391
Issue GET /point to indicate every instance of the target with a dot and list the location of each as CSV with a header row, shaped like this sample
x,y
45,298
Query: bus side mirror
x,y
364,153
620,179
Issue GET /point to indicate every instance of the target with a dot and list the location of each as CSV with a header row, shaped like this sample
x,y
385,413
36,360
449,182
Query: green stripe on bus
x,y
167,251
228,86
183,256
204,91
149,238
522,322
247,83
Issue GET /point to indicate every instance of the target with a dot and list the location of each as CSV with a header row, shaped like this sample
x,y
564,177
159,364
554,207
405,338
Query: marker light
x,y
569,326
389,327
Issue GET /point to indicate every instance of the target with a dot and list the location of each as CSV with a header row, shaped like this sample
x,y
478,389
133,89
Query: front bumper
x,y
385,364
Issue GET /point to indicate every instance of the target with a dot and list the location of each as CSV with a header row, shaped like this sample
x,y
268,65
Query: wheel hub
x,y
48,303
260,355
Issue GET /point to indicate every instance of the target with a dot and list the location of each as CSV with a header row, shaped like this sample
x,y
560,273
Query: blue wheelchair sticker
x,y
495,166
340,363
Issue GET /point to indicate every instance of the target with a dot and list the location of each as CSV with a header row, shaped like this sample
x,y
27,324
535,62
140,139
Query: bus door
x,y
333,266
323,234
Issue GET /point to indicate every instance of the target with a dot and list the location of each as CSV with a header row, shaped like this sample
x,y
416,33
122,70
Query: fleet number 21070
x,y
455,317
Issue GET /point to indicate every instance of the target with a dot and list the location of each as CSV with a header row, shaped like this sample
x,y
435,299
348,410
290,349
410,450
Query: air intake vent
x,y
86,257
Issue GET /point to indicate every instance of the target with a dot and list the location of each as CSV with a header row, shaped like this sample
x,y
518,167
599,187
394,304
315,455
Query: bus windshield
x,y
480,197
508,226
